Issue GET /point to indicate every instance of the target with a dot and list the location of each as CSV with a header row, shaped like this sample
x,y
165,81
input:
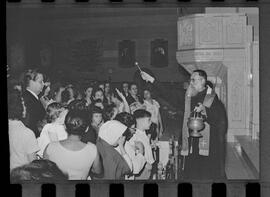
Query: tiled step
x,y
236,166
251,152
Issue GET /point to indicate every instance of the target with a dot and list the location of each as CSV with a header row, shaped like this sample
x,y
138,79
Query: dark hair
x,y
55,88
30,74
38,171
76,122
65,96
78,104
100,83
141,113
15,105
125,118
109,112
148,89
202,73
95,90
115,94
133,83
86,87
125,82
210,84
107,82
95,110
74,90
128,134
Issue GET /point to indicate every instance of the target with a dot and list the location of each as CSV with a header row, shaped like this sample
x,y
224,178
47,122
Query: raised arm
x,y
126,105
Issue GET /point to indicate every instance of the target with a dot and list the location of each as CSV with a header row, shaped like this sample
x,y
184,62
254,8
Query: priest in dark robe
x,y
203,158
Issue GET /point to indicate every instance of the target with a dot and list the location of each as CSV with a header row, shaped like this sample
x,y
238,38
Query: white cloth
x,y
111,130
142,137
76,164
22,141
153,108
137,159
50,133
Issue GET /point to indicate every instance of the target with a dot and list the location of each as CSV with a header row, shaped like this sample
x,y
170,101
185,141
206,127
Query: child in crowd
x,y
96,120
143,122
125,89
88,95
54,130
134,100
56,91
45,95
107,92
156,128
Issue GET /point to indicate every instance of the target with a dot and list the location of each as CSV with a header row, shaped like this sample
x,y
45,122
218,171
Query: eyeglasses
x,y
193,80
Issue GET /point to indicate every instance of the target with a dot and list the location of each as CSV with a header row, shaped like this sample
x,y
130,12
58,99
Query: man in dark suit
x,y
35,112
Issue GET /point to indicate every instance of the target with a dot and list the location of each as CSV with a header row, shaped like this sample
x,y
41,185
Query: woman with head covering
x,y
110,145
135,149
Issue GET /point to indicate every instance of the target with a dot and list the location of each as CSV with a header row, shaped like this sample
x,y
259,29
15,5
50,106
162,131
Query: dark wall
x,y
59,29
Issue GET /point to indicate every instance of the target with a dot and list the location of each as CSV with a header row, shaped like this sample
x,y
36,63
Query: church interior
x,y
85,44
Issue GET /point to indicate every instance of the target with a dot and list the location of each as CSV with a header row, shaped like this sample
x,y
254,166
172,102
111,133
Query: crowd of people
x,y
61,131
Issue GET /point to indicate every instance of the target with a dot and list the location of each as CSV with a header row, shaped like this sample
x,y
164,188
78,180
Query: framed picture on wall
x,y
126,53
159,53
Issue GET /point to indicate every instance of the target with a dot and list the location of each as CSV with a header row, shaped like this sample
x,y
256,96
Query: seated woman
x,y
23,145
71,155
110,144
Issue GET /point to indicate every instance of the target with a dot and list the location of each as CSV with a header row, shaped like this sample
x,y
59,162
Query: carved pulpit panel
x,y
186,34
235,31
210,32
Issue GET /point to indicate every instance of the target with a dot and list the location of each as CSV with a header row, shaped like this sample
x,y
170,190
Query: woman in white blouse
x,y
72,156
